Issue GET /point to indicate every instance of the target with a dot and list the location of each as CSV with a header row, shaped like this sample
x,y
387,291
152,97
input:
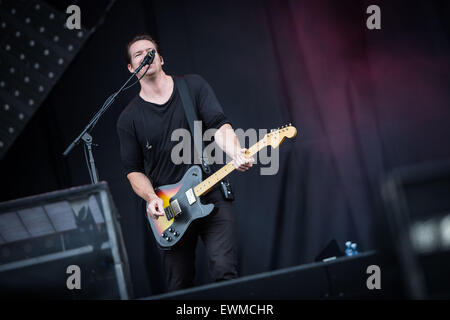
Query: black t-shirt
x,y
145,131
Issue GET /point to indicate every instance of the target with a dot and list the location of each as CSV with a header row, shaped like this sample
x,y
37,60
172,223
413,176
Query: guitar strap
x,y
192,116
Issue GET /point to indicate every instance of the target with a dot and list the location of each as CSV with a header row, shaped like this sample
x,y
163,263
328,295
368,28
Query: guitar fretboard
x,y
206,185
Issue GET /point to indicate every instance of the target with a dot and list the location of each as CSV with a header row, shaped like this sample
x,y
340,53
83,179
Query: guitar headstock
x,y
276,136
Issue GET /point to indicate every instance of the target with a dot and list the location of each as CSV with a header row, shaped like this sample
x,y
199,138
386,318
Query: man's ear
x,y
162,60
130,68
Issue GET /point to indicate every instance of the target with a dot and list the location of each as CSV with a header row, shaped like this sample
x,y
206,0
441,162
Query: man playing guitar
x,y
144,128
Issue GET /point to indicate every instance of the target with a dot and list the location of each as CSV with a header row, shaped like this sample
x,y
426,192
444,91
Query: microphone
x,y
149,58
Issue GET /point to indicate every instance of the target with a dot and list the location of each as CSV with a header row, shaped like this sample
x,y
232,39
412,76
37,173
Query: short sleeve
x,y
130,149
209,108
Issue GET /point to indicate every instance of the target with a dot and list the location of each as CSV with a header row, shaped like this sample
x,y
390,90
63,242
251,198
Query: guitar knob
x,y
169,239
176,234
170,229
164,235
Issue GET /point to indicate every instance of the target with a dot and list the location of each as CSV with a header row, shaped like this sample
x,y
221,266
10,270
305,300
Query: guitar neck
x,y
206,185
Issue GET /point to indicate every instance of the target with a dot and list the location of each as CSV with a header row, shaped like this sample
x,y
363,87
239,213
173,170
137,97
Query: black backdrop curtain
x,y
364,102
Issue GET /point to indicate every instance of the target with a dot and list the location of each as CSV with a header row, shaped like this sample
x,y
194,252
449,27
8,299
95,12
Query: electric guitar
x,y
181,200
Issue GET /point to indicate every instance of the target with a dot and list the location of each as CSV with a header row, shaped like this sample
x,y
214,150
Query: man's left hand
x,y
241,162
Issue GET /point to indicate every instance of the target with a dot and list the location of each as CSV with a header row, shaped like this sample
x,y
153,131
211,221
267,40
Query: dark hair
x,y
137,38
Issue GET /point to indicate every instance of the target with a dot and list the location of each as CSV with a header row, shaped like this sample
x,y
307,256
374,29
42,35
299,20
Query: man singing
x,y
145,127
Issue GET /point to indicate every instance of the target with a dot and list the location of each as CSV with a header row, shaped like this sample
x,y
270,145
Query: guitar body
x,y
181,207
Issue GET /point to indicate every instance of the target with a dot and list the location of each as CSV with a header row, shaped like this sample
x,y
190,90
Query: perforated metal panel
x,y
35,50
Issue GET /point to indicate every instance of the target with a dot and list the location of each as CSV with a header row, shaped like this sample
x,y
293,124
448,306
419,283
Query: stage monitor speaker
x,y
65,244
417,200
331,251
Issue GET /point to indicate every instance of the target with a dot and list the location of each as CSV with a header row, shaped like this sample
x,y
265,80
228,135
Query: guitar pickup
x,y
169,213
190,196
175,206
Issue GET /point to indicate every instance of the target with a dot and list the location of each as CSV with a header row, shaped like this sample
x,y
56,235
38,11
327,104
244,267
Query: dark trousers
x,y
218,233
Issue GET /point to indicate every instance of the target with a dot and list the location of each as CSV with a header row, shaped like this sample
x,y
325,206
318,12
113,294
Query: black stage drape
x,y
364,102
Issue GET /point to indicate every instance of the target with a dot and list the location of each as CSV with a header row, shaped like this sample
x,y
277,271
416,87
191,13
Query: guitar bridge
x,y
176,210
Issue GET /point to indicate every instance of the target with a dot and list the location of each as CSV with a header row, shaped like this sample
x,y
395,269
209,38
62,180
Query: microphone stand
x,y
85,134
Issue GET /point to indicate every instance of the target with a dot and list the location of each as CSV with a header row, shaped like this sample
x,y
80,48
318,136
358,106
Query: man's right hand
x,y
155,207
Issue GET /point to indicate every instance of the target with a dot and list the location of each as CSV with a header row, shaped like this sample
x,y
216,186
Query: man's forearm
x,y
142,186
227,140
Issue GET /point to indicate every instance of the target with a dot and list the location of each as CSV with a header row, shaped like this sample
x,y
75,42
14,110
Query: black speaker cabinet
x,y
65,244
417,200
